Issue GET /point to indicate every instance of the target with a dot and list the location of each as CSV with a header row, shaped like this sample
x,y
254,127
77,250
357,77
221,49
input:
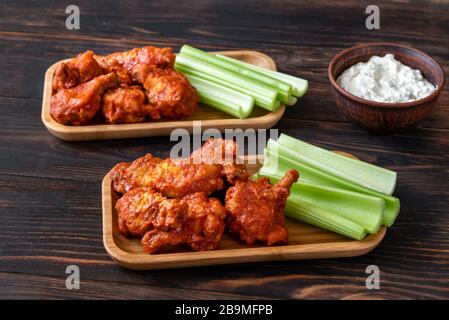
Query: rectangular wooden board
x,y
305,242
207,116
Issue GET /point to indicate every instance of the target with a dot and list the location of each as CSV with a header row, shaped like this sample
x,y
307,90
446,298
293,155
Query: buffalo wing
x,y
173,179
127,105
222,152
77,106
195,220
133,66
170,93
256,209
76,71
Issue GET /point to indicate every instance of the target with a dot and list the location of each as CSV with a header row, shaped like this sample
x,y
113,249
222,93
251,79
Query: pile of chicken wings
x,y
169,203
123,87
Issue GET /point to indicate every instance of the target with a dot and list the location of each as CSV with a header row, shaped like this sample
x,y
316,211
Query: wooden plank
x,y
21,286
415,154
276,22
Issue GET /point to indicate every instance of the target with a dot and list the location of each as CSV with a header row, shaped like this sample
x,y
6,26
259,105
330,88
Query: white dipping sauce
x,y
385,79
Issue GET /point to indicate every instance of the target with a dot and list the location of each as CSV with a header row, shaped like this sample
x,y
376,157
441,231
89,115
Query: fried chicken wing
x,y
127,105
222,152
156,240
143,209
172,179
118,176
76,71
205,223
256,209
171,93
133,66
195,220
77,106
202,228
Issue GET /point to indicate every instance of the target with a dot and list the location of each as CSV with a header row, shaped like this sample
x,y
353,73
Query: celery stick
x,y
365,210
223,105
292,101
222,98
284,89
360,172
275,162
299,86
259,100
228,76
323,219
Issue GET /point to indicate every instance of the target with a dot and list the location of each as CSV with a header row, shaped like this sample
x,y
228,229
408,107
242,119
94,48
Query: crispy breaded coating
x,y
77,106
222,152
173,179
170,93
119,182
143,209
76,71
127,105
157,240
132,66
201,230
256,209
195,220
205,224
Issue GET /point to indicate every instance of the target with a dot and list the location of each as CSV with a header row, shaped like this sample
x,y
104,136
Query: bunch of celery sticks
x,y
234,86
334,192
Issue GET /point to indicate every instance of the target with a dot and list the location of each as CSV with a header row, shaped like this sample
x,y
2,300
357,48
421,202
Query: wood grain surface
x,y
50,190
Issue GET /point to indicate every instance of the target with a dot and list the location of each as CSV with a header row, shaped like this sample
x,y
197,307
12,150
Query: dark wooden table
x,y
50,203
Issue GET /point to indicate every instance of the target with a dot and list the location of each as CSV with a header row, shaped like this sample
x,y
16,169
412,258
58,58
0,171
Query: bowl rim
x,y
387,105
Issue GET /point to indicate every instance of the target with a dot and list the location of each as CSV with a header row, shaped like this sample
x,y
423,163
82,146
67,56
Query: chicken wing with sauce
x,y
76,71
170,93
143,209
77,106
222,152
201,230
173,179
195,220
127,105
133,66
256,209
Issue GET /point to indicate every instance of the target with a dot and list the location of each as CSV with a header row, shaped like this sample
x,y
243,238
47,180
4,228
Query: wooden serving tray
x,y
305,242
207,116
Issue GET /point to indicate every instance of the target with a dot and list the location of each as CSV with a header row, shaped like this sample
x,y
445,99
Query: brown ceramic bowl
x,y
383,117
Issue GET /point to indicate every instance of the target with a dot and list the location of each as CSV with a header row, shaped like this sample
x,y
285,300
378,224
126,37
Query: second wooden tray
x,y
207,116
305,242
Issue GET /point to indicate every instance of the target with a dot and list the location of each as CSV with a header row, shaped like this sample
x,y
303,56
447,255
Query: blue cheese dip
x,y
385,79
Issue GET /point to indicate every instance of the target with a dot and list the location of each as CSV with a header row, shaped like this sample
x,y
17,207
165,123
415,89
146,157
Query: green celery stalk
x,y
321,218
259,100
227,76
365,210
283,89
222,98
275,162
292,101
360,172
223,105
299,86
